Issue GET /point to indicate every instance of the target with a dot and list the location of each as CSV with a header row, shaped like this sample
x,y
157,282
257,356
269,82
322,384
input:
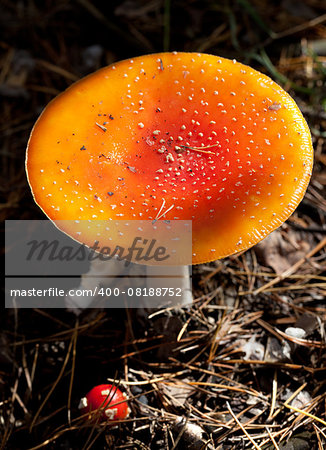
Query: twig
x,y
305,413
241,426
274,394
291,269
54,385
272,439
73,366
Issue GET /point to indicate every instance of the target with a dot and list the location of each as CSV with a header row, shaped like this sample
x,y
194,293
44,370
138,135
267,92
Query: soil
x,y
244,367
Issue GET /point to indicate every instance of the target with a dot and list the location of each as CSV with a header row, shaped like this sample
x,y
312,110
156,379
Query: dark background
x,y
51,358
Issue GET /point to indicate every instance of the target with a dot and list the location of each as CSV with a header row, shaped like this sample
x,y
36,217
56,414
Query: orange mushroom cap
x,y
176,136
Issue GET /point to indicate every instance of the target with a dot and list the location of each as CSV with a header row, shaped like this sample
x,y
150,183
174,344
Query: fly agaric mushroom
x,y
175,136
107,402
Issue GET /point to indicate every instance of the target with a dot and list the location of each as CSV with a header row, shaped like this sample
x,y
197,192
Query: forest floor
x,y
245,366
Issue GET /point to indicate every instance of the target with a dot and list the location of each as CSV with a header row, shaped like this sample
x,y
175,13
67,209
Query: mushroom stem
x,y
179,284
104,274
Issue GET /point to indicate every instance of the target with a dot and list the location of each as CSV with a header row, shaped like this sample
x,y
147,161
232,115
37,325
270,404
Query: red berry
x,y
108,399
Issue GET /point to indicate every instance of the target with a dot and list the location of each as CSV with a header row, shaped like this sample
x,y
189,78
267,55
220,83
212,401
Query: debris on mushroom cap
x,y
212,140
106,401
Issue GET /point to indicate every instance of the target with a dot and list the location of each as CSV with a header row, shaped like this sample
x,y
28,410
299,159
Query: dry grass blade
x,y
48,395
149,381
281,335
54,438
257,447
139,41
57,69
73,366
223,387
272,439
319,431
274,396
292,397
228,363
305,413
293,268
